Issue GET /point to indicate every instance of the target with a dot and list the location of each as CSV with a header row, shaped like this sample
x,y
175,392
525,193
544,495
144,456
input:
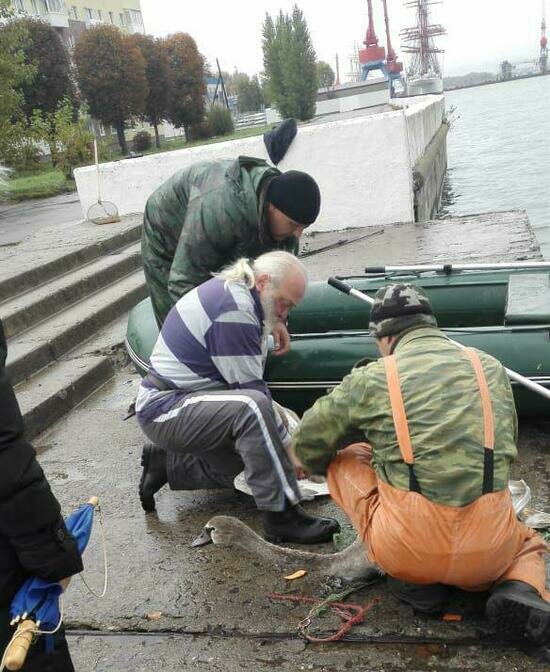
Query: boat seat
x,y
528,299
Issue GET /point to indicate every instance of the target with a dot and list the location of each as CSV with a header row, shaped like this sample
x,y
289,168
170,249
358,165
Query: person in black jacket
x,y
33,536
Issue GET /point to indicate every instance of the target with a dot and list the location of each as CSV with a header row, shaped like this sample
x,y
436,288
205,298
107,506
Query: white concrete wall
x,y
345,104
327,106
424,115
362,100
272,116
362,164
170,131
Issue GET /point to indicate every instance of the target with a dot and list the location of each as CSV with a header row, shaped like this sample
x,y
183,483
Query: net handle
x,y
96,158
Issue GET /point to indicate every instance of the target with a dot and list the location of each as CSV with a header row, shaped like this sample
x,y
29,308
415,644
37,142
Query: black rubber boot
x,y
153,476
430,598
297,526
516,611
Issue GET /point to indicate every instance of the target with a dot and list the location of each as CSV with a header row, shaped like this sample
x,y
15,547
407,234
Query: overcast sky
x,y
481,33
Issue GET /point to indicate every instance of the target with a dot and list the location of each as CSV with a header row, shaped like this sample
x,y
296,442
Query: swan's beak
x,y
204,538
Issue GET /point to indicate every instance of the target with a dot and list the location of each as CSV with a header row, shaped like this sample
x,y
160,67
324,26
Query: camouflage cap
x,y
399,307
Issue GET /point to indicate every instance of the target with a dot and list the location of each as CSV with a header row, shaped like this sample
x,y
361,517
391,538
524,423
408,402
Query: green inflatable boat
x,y
503,311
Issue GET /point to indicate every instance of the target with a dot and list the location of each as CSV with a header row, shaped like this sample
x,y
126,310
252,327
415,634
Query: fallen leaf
x,y
154,615
296,575
452,617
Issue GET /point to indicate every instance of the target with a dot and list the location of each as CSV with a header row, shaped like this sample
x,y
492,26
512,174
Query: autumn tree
x,y
325,74
111,77
159,80
289,64
187,67
52,81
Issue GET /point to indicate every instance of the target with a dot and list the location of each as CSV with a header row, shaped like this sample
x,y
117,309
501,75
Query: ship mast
x,y
543,60
418,40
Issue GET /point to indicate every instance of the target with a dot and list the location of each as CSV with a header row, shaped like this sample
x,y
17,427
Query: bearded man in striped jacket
x,y
206,406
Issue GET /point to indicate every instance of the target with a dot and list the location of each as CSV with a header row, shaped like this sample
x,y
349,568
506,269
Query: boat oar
x,y
449,268
346,288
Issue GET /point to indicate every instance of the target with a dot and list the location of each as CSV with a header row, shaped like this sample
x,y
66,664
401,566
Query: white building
x,y
72,17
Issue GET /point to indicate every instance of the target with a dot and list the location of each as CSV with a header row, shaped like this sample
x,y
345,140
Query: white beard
x,y
270,317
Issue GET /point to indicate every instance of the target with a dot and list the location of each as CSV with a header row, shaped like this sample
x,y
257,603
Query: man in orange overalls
x,y
425,483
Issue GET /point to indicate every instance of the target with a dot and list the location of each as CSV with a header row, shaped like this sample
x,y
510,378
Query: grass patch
x,y
39,185
180,143
51,182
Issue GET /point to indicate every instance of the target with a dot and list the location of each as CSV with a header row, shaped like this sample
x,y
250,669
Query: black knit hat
x,y
297,195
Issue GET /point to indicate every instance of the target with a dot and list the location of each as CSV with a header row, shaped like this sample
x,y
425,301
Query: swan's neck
x,y
352,562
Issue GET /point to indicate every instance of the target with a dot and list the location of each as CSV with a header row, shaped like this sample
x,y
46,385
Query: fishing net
x,y
102,212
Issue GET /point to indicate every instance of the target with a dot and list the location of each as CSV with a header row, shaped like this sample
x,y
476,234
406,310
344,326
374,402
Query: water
x,y
499,151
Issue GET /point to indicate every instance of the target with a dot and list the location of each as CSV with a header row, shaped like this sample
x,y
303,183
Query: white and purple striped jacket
x,y
212,339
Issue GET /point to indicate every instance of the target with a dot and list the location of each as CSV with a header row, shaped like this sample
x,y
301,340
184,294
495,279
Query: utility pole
x,y
337,71
221,85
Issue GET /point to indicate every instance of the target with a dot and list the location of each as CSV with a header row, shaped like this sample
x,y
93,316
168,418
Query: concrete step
x,y
35,275
29,309
54,337
58,388
62,385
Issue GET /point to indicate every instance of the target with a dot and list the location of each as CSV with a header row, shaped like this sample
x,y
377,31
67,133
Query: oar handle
x,y
20,644
344,287
340,285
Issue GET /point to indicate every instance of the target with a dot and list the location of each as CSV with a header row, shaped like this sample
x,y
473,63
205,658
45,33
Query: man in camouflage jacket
x,y
212,213
433,431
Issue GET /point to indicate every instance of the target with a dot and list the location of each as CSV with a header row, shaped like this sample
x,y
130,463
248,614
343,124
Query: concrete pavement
x,y
20,220
172,607
211,604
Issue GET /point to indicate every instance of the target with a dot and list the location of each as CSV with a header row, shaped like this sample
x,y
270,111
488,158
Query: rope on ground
x,y
350,614
105,561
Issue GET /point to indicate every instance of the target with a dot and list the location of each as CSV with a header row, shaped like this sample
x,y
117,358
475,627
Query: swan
x,y
351,563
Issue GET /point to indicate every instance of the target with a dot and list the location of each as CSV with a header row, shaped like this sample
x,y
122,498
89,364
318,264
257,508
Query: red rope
x,y
351,614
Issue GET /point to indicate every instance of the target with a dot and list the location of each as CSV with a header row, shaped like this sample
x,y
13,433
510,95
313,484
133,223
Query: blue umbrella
x,y
38,600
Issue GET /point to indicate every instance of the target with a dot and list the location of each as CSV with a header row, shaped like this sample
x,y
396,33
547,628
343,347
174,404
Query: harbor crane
x,y
374,56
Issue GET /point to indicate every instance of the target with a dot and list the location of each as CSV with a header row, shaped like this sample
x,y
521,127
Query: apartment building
x,y
70,18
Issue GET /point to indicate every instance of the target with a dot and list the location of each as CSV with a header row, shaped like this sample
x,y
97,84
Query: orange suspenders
x,y
400,419
402,426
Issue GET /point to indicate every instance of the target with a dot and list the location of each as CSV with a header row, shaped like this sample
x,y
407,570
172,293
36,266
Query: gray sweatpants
x,y
209,437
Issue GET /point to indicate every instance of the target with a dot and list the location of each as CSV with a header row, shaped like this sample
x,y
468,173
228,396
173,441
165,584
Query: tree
x,y
230,81
73,139
273,67
289,63
266,91
51,82
248,91
189,87
111,77
13,72
325,75
299,68
159,80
